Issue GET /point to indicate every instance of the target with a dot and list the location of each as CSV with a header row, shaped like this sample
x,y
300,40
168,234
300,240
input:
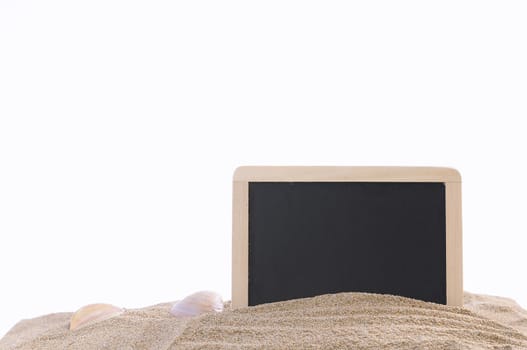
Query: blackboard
x,y
305,231
313,238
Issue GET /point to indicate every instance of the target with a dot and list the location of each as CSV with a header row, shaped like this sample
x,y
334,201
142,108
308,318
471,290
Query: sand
x,y
335,321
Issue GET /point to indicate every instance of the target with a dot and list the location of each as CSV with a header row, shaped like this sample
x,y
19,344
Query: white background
x,y
121,123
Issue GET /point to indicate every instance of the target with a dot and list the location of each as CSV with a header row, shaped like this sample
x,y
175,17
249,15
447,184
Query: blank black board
x,y
314,238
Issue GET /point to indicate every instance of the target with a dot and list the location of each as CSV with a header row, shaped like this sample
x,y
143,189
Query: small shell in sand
x,y
93,313
197,304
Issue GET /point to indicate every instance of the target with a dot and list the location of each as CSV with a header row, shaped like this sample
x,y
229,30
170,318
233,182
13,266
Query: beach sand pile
x,y
333,321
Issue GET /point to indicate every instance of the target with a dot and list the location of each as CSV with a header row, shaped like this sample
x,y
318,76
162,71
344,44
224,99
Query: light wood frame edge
x,y
454,244
240,244
240,225
346,173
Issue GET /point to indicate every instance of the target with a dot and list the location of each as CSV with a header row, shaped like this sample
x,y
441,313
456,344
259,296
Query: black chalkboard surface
x,y
313,238
302,231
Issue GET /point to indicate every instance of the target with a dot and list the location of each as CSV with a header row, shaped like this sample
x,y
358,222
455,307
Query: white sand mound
x,y
334,321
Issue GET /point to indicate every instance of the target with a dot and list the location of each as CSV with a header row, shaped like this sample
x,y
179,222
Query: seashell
x,y
197,304
93,313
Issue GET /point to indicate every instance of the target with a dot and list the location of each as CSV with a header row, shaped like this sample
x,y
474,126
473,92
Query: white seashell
x,y
93,313
197,304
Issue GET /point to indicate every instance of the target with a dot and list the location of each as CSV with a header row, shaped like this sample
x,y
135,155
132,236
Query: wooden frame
x,y
243,175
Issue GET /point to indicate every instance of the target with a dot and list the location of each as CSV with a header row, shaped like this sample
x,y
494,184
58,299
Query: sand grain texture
x,y
335,321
